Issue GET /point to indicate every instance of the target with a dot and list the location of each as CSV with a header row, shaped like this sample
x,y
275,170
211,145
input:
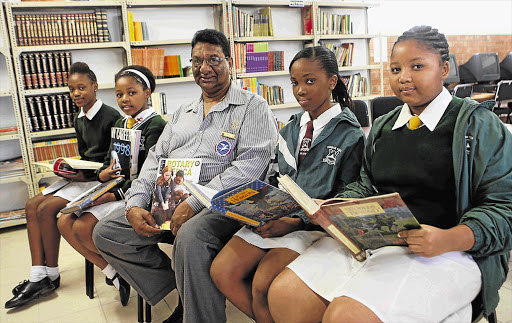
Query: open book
x,y
253,203
86,198
69,166
358,224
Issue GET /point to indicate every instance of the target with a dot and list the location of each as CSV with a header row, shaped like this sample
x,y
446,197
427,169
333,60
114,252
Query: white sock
x,y
110,272
53,272
37,273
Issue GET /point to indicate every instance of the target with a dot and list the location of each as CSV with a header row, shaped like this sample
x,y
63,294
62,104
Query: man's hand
x,y
279,227
430,241
142,222
181,215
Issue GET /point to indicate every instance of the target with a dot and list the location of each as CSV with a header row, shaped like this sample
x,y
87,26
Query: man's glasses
x,y
212,61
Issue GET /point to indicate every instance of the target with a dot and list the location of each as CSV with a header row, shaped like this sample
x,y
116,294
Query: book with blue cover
x,y
253,203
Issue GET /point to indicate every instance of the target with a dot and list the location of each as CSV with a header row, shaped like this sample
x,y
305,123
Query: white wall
x,y
451,17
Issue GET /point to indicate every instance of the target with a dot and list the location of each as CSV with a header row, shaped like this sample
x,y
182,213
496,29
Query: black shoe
x,y
29,292
177,315
124,289
22,284
109,281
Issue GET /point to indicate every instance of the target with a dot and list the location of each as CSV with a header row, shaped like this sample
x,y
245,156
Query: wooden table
x,y
481,97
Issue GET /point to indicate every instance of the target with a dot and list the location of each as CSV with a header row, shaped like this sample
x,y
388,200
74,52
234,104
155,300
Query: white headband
x,y
142,76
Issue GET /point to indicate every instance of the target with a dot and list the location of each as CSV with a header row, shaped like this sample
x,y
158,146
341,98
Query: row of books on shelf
x,y
272,94
50,112
343,53
12,215
255,57
9,130
45,69
256,25
138,29
357,85
65,28
161,65
158,101
11,167
328,23
47,151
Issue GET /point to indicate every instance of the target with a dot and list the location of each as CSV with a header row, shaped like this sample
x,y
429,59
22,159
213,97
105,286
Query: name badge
x,y
228,135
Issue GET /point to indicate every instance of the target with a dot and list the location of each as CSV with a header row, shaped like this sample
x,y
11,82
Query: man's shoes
x,y
30,291
124,289
15,290
177,315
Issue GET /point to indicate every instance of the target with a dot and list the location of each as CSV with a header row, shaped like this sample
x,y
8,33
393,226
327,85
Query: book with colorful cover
x,y
253,203
125,145
170,190
85,199
358,224
69,166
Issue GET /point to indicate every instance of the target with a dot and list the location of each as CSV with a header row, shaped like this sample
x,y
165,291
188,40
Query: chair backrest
x,y
504,91
463,90
360,109
383,105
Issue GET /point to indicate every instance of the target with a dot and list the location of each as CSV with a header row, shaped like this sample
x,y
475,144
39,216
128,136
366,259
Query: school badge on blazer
x,y
332,155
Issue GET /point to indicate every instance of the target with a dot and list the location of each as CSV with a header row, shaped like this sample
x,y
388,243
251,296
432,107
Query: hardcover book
x,y
170,191
253,203
85,199
125,145
358,224
69,166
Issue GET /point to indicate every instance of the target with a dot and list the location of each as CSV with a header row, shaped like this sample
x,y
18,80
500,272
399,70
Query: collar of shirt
x,y
142,116
430,115
92,111
319,123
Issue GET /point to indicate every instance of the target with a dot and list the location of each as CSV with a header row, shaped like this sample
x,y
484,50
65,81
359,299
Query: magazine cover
x,y
125,150
169,189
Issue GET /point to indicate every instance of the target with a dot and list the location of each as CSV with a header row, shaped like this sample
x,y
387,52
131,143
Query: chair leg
x,y
140,309
89,279
148,313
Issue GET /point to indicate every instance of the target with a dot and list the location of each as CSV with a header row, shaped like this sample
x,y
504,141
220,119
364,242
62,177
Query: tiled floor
x,y
70,304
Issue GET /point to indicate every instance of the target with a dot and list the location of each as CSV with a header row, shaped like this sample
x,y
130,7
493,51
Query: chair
x,y
503,93
477,314
360,109
463,90
383,105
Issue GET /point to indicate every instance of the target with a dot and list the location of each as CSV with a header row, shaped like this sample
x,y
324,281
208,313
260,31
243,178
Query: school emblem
x,y
330,158
223,148
235,124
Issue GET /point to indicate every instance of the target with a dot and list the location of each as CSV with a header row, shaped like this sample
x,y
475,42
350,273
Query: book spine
x,y
65,28
51,70
27,78
20,39
48,114
39,69
33,70
34,125
46,72
40,113
55,112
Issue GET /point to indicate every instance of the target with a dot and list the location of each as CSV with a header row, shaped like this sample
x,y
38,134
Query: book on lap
x,y
358,224
85,199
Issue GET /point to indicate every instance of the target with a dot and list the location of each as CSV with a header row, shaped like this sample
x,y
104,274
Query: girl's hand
x,y
430,241
105,198
110,172
78,177
278,227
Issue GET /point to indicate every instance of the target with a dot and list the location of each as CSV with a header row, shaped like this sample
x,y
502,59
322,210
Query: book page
x,y
81,164
305,202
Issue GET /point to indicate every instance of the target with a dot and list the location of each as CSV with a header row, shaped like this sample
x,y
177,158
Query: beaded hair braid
x,y
428,36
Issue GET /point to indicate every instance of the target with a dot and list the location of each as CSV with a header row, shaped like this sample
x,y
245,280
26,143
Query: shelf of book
x,y
166,3
172,80
265,3
346,36
347,4
20,49
143,43
273,38
262,74
284,106
65,4
52,133
360,67
62,89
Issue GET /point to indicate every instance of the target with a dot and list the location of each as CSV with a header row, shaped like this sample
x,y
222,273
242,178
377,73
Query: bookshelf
x,y
16,186
93,32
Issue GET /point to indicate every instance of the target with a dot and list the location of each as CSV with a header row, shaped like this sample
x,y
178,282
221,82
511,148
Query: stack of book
x,y
257,25
11,167
343,53
12,215
45,69
138,29
329,24
255,57
357,85
152,58
172,66
48,151
66,28
272,94
50,112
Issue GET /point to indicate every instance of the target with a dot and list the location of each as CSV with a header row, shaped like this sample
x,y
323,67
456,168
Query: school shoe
x,y
109,281
15,290
29,292
124,289
177,315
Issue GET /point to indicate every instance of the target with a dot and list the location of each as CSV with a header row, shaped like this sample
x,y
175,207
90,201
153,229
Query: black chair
x,y
383,105
503,93
478,311
360,109
463,90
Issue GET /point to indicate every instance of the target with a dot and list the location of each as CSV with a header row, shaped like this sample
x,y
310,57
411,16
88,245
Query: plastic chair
x,y
360,109
503,93
383,105
463,90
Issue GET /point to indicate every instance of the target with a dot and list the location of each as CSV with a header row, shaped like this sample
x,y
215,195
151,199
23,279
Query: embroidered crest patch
x,y
223,148
330,158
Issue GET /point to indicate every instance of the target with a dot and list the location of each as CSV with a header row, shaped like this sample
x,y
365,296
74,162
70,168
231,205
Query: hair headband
x,y
142,76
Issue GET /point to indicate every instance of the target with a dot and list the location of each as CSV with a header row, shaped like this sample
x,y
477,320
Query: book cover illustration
x,y
169,190
125,150
85,199
69,166
253,203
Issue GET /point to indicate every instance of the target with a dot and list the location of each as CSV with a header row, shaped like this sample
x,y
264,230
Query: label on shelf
x,y
296,3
